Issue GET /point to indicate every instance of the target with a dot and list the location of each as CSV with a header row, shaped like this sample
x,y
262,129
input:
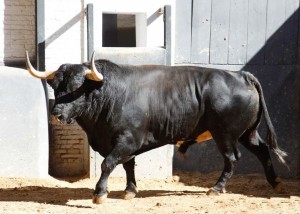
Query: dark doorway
x,y
118,30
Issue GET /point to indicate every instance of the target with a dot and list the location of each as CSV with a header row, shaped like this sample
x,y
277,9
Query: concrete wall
x,y
23,125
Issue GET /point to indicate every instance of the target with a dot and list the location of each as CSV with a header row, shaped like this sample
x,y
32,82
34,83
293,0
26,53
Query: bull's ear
x,y
93,73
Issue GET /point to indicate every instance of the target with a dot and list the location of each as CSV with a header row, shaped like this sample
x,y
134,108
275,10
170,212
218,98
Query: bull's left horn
x,y
38,74
93,73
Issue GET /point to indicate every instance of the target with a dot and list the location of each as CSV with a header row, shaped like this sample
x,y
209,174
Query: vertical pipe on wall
x,y
40,55
40,41
90,30
168,34
40,33
141,29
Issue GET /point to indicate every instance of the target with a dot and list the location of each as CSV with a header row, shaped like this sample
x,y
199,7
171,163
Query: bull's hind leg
x,y
228,148
184,147
131,189
252,142
203,136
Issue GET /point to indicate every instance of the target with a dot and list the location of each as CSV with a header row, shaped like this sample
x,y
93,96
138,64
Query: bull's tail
x,y
271,135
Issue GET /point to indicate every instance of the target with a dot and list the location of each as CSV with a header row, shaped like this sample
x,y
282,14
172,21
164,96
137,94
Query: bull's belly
x,y
200,139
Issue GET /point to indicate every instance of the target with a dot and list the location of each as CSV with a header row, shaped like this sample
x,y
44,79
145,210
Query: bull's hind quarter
x,y
126,110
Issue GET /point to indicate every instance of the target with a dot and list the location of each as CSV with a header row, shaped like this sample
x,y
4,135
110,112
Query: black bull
x,y
129,110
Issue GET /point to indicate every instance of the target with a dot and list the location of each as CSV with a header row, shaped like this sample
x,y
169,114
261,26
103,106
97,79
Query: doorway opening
x,y
118,30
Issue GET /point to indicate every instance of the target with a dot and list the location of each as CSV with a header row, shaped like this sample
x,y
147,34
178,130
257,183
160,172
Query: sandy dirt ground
x,y
185,192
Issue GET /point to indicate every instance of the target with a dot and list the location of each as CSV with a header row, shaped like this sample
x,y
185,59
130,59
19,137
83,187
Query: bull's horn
x,y
92,73
38,74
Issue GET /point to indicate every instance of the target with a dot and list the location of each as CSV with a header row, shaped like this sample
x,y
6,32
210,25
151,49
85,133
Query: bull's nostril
x,y
56,118
59,117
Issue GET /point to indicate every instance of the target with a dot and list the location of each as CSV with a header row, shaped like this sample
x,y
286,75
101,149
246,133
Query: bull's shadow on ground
x,y
156,193
251,185
48,195
61,196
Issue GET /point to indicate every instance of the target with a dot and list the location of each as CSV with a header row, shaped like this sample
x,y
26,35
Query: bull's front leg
x,y
121,153
131,188
107,166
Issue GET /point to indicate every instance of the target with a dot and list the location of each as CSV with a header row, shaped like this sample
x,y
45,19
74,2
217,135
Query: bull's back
x,y
166,99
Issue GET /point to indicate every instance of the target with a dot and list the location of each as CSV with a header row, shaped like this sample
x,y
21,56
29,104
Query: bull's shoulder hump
x,y
149,67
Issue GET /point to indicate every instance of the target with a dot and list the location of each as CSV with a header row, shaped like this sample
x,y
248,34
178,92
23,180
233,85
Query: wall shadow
x,y
276,66
280,80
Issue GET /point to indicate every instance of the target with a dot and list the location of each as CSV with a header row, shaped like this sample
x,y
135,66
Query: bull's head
x,y
69,87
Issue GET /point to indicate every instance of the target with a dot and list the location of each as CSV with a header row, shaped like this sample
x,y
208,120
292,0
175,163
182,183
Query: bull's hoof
x,y
223,190
99,199
212,192
129,195
280,189
130,192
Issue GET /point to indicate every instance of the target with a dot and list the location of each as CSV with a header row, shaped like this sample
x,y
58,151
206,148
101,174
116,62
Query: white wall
x,y
64,32
66,29
155,31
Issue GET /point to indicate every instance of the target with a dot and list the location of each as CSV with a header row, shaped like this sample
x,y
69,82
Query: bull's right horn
x,y
93,73
38,74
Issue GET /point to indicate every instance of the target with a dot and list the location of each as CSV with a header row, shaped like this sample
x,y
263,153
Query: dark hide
x,y
138,108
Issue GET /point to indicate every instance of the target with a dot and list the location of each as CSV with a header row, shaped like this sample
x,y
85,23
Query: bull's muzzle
x,y
60,119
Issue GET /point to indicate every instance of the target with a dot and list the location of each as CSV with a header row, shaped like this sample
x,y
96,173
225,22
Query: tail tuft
x,y
280,154
271,135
